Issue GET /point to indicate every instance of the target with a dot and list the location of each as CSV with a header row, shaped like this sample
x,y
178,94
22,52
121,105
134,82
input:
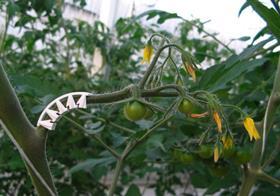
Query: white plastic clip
x,y
54,110
60,107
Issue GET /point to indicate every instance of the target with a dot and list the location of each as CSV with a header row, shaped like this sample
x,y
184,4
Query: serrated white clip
x,y
82,102
55,109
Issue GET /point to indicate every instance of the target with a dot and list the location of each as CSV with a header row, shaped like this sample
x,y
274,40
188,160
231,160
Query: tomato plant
x,y
240,88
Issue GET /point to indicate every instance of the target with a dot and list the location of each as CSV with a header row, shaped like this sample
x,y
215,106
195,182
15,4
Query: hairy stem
x,y
273,103
118,169
29,140
264,128
153,63
247,184
117,173
273,154
267,178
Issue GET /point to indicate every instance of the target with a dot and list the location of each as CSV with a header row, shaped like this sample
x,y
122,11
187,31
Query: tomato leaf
x,y
271,17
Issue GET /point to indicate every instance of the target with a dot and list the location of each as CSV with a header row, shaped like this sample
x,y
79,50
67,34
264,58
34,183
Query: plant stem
x,y
118,168
111,150
28,161
153,63
264,127
210,35
272,155
121,127
247,183
128,149
30,140
116,176
265,177
271,109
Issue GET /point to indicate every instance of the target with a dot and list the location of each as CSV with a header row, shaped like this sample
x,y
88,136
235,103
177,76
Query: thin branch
x,y
271,109
121,127
118,169
107,121
176,68
267,178
158,124
167,116
210,35
153,63
273,154
129,148
112,151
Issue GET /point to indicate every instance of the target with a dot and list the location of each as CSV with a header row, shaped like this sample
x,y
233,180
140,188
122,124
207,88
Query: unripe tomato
x,y
243,156
134,111
183,157
149,113
186,158
185,107
205,151
219,170
229,153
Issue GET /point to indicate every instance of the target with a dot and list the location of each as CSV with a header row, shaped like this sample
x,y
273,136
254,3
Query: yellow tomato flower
x,y
216,153
218,120
191,71
189,64
202,115
147,53
250,127
227,141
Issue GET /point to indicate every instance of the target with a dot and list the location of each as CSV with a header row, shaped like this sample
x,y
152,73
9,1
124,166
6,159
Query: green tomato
x,y
183,157
134,111
186,158
185,107
205,151
243,156
229,153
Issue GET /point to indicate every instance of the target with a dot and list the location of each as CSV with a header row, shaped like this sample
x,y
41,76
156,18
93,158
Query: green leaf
x,y
133,190
219,76
261,33
244,38
12,8
212,76
156,141
235,71
163,16
271,17
248,52
244,6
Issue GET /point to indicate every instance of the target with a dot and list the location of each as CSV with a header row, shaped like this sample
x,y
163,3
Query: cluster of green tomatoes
x,y
136,110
